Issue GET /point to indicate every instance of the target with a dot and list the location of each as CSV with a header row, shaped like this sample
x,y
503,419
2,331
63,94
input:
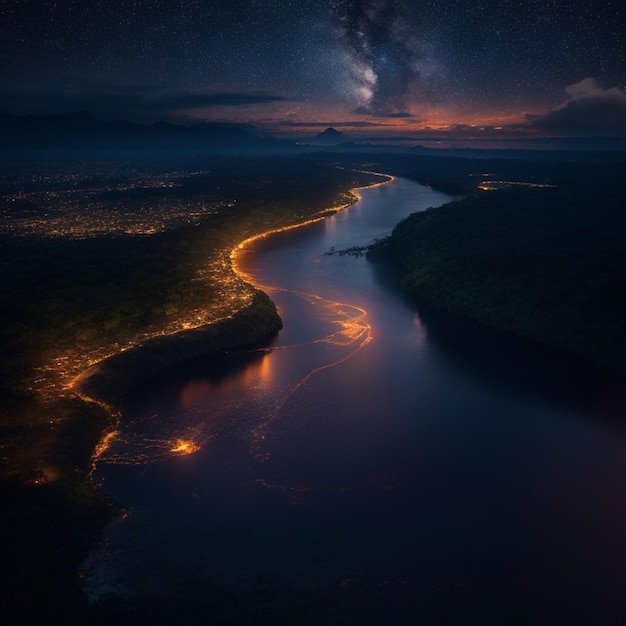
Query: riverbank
x,y
110,381
547,264
296,488
235,415
53,524
54,511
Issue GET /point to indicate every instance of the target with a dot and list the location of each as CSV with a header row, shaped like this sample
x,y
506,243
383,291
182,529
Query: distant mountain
x,y
330,135
82,130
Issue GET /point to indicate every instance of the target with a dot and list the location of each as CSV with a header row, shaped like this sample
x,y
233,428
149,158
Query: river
x,y
379,463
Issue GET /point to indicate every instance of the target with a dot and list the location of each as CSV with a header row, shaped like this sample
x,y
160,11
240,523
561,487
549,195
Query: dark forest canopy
x,y
547,263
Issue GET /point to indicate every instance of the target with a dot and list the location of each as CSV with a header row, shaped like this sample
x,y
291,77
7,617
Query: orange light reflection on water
x,y
349,331
354,196
354,331
353,334
199,390
184,446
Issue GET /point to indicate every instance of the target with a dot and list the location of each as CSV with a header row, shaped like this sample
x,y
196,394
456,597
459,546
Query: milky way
x,y
387,52
279,63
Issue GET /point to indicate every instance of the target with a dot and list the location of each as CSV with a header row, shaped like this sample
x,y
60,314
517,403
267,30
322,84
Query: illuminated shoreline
x,y
79,384
356,197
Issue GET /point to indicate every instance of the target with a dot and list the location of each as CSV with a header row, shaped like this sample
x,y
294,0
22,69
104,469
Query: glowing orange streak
x,y
366,330
308,376
327,338
361,340
186,446
240,247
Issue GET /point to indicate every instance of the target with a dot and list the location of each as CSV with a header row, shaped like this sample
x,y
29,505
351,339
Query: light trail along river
x,y
373,465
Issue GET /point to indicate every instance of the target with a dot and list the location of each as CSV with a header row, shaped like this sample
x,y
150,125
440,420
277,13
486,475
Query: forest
x,y
115,267
543,257
118,262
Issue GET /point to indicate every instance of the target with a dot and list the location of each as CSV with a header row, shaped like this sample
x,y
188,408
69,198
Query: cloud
x,y
589,110
387,60
583,88
132,102
355,123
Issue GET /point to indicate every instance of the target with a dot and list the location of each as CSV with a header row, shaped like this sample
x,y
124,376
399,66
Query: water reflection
x,y
513,362
183,409
373,466
168,415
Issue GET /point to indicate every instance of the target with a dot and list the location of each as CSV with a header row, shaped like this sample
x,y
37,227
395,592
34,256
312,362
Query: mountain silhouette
x,y
330,135
82,130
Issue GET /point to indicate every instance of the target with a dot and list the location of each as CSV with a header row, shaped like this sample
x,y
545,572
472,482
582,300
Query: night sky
x,y
552,67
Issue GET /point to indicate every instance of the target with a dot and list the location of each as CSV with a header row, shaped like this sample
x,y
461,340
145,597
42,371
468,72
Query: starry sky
x,y
378,67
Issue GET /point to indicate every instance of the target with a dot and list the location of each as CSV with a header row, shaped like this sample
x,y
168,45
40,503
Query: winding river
x,y
378,464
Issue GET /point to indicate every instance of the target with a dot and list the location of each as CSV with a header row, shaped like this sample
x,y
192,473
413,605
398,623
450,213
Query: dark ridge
x,y
111,380
81,130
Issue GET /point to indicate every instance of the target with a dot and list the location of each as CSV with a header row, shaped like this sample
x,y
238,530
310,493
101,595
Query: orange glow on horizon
x,y
306,120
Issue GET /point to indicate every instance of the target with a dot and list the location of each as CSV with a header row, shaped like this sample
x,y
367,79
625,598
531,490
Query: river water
x,y
380,463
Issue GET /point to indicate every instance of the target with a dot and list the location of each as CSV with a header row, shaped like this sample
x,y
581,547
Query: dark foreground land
x,y
537,251
103,254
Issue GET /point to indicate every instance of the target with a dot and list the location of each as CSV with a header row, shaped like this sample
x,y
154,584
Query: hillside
x,y
546,263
